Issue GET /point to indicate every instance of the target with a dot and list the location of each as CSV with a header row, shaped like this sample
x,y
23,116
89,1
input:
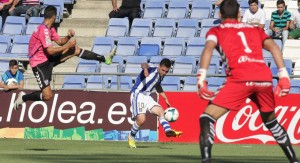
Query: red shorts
x,y
233,94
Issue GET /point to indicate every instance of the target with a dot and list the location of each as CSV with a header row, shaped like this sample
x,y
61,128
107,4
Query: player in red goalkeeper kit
x,y
240,46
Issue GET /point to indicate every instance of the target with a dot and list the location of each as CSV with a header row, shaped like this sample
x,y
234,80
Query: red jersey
x,y
40,40
240,46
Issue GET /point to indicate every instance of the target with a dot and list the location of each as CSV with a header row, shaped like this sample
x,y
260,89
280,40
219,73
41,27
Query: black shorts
x,y
43,71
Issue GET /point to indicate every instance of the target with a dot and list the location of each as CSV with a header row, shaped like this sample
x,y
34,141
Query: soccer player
x,y
15,73
43,56
240,46
141,101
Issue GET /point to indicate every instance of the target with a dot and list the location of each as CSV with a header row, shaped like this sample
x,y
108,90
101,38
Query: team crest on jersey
x,y
46,82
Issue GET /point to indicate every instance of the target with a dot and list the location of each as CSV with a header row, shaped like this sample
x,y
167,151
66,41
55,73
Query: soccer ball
x,y
11,81
171,114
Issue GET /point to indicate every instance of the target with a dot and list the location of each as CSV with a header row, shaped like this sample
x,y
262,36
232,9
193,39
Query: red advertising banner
x,y
71,108
242,127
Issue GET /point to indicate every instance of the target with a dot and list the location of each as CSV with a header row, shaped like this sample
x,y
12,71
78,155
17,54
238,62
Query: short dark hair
x,y
279,2
50,11
229,9
165,62
252,1
12,63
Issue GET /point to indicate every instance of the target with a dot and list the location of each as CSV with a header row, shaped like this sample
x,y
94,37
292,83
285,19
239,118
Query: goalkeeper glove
x,y
203,91
283,86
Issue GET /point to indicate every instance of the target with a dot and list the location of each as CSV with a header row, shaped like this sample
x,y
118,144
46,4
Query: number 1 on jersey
x,y
243,38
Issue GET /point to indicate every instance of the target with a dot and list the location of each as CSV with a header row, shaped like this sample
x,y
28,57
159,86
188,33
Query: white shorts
x,y
140,103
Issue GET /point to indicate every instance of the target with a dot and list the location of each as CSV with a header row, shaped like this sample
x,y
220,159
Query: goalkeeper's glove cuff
x,y
282,73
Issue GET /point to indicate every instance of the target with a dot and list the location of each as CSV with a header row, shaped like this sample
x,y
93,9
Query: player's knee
x,y
112,14
47,96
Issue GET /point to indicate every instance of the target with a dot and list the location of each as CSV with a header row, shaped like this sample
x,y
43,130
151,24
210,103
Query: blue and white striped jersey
x,y
147,84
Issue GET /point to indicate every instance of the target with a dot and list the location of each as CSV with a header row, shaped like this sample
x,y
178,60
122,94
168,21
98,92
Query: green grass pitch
x,y
67,151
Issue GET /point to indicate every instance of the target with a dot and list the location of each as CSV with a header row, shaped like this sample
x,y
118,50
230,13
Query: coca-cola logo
x,y
248,124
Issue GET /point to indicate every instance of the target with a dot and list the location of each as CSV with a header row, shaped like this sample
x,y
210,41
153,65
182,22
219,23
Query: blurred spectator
x,y
295,24
15,73
31,8
280,22
4,7
129,8
254,15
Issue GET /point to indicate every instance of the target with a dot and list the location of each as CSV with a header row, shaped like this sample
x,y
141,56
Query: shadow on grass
x,y
67,158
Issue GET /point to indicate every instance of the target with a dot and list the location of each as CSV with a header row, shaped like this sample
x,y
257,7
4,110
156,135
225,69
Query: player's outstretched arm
x,y
145,67
63,40
203,91
59,50
160,90
270,45
283,86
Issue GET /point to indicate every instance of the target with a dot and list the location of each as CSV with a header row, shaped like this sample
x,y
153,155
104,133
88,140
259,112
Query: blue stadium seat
x,y
184,65
69,1
14,25
127,46
187,28
87,66
141,28
0,23
5,42
288,64
103,45
4,65
59,4
32,24
74,82
214,83
274,82
119,61
190,83
173,47
267,24
295,86
156,59
20,45
267,54
164,28
201,9
195,46
178,9
216,13
171,83
154,9
214,66
150,46
206,24
97,82
117,27
115,67
133,64
125,83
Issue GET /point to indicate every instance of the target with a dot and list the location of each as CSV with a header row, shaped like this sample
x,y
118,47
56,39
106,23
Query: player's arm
x,y
145,67
203,91
283,86
63,40
114,5
59,50
160,90
13,6
2,85
286,26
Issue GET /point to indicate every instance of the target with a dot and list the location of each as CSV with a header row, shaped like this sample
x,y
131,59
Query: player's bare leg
x,y
280,135
207,134
158,110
